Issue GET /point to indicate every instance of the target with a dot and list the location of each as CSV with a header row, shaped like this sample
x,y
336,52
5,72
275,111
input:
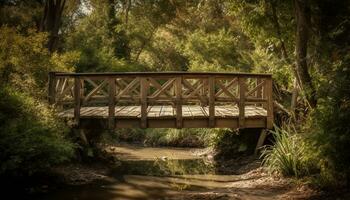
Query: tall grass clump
x,y
290,155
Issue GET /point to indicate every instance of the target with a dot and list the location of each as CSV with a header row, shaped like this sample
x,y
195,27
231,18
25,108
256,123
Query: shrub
x,y
31,138
290,155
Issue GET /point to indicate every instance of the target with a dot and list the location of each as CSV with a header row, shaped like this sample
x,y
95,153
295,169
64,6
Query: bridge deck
x,y
164,111
160,116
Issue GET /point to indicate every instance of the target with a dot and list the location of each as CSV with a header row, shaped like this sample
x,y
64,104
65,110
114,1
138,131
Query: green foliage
x,y
31,137
179,137
229,143
188,137
290,155
25,61
330,125
215,51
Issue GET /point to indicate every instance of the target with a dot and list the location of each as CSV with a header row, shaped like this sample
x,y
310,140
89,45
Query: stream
x,y
173,173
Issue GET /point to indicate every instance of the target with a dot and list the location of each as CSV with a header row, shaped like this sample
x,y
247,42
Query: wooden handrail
x,y
166,73
176,88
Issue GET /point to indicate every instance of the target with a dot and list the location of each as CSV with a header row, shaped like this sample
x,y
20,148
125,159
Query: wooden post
x,y
241,105
259,91
204,95
111,103
269,106
211,84
178,91
260,141
77,99
144,93
52,89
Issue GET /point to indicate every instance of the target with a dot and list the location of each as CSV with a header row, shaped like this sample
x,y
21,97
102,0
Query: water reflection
x,y
164,167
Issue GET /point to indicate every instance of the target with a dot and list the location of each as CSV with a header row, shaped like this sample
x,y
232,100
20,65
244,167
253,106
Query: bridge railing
x,y
150,88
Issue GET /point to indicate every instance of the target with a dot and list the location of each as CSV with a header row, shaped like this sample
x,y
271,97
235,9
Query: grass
x,y
290,155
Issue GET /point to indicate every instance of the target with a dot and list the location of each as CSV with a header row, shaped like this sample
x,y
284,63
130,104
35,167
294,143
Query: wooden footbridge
x,y
163,99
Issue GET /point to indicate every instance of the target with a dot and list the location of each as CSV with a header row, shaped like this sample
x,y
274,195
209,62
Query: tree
x,y
51,21
302,15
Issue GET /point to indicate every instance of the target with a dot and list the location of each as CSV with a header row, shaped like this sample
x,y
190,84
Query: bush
x,y
31,138
290,155
187,137
331,128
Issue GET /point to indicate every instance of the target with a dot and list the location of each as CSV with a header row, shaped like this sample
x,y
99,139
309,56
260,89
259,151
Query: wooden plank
x,y
256,89
241,105
129,87
269,109
155,84
211,85
95,90
162,74
178,93
230,84
52,90
164,88
260,141
77,100
111,103
95,85
144,84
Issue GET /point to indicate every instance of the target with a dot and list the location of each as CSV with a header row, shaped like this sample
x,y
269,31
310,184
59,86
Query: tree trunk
x,y
286,57
302,14
51,21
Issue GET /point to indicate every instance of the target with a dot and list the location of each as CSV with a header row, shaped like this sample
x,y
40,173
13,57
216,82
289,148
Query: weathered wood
x,y
260,141
211,85
155,84
256,89
269,109
51,90
209,99
144,85
242,89
164,87
95,90
232,83
77,99
95,85
111,103
178,92
129,87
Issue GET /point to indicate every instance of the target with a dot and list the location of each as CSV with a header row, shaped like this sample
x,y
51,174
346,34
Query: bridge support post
x,y
77,99
261,141
52,90
178,92
111,106
144,84
242,90
211,84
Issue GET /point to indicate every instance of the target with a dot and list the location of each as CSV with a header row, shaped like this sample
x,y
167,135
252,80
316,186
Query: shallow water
x,y
160,173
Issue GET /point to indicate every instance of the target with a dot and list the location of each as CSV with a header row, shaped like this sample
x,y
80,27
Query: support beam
x,y
77,100
269,108
211,84
261,141
144,84
178,91
52,88
111,103
242,89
